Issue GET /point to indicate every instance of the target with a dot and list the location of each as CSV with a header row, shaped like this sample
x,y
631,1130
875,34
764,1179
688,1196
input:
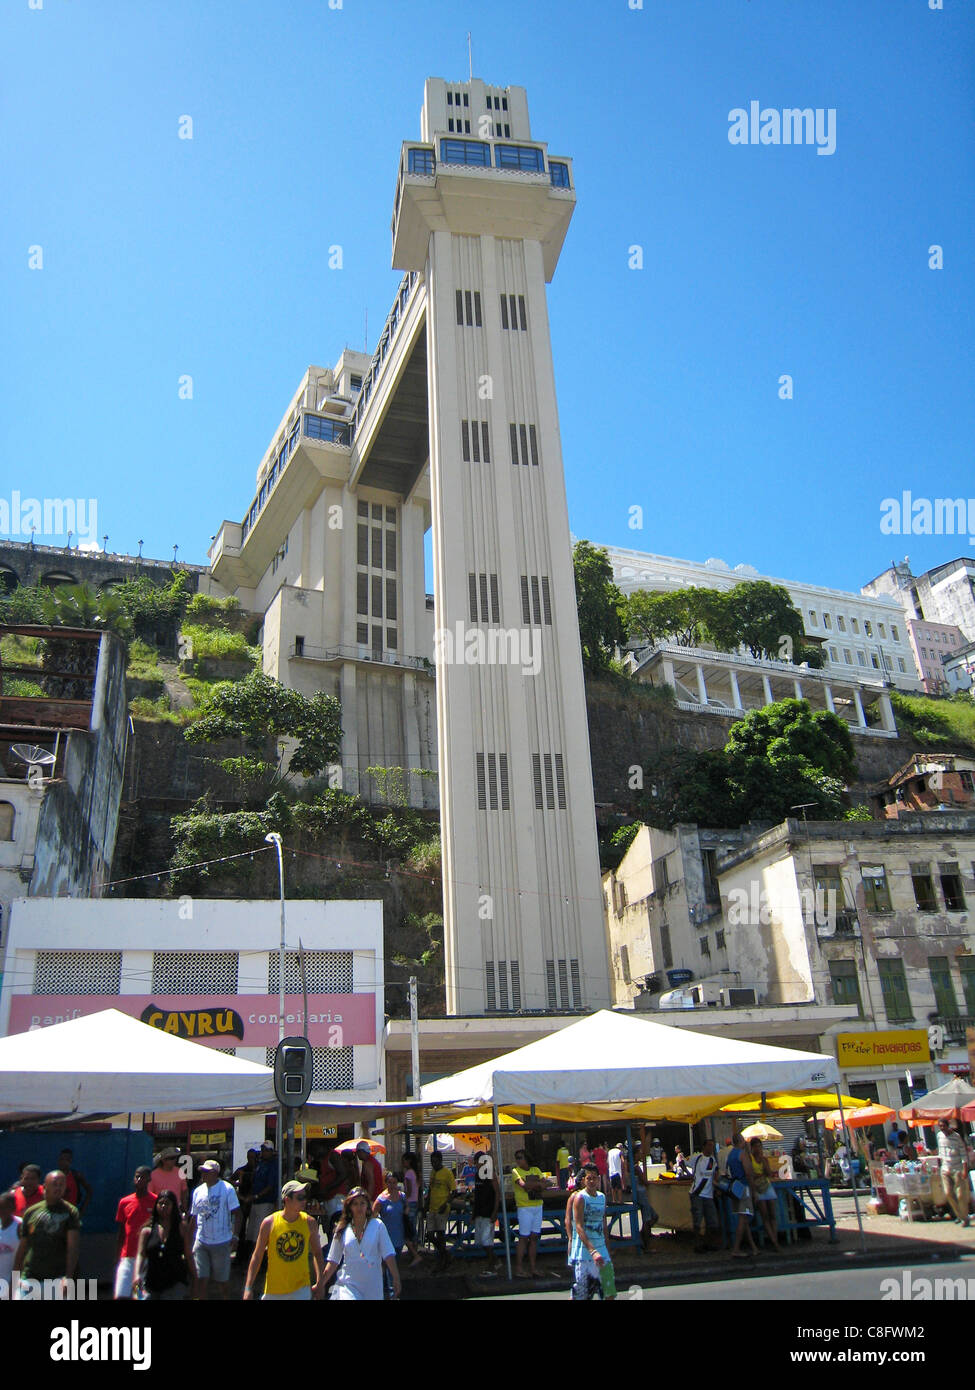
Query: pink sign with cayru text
x,y
221,1020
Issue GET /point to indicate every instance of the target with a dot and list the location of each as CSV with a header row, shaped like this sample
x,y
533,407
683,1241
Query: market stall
x,y
619,1068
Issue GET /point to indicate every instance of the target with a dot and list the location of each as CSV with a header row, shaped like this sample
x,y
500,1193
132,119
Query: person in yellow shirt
x,y
442,1187
529,1183
290,1237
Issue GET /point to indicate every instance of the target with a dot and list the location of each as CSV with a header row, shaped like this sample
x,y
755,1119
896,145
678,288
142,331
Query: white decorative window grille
x,y
326,972
77,972
332,1068
194,972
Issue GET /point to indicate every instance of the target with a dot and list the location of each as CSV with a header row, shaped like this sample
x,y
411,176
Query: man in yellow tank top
x,y
289,1237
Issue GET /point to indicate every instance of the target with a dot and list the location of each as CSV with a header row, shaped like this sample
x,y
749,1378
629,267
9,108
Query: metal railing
x,y
957,1027
387,338
305,652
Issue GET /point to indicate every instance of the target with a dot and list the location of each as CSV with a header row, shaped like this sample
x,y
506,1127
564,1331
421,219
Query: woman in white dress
x,y
360,1247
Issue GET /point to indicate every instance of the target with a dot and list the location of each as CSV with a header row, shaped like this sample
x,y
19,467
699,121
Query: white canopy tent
x,y
615,1066
615,1062
108,1063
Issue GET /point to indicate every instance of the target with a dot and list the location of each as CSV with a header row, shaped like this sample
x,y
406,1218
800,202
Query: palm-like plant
x,y
79,605
72,664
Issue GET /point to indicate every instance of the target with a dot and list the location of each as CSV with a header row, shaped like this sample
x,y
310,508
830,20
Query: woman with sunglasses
x,y
164,1265
360,1248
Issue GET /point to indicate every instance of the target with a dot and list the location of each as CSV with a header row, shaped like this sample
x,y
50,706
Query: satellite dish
x,y
32,755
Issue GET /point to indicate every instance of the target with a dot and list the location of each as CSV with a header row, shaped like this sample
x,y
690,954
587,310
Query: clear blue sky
x,y
208,257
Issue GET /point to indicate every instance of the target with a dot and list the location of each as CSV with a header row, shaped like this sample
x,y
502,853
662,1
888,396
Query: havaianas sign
x,y
900,1047
196,1023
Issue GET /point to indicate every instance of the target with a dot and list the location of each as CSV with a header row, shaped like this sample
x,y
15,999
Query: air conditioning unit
x,y
738,998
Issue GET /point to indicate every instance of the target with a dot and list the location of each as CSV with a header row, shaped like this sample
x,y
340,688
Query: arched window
x,y
8,579
6,821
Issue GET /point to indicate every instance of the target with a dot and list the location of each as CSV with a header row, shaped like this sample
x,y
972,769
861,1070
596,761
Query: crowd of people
x,y
341,1223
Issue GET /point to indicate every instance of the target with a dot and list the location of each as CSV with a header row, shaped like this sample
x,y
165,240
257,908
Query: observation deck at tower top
x,y
490,179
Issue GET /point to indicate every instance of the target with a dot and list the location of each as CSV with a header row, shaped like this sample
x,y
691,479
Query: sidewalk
x,y
672,1259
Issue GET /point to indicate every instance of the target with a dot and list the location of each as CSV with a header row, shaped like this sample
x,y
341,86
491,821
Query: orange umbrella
x,y
350,1146
858,1119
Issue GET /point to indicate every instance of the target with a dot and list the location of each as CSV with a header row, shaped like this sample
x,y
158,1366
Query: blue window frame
x,y
559,173
519,157
262,495
465,152
421,162
272,474
329,430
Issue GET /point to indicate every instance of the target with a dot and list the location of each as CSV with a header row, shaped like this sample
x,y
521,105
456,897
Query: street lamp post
x,y
284,1115
273,838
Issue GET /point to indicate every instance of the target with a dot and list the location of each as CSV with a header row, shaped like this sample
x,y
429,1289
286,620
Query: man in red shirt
x,y
77,1189
370,1172
133,1213
28,1191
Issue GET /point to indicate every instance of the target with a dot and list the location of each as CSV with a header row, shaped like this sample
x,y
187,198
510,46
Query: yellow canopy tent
x,y
484,1119
794,1100
683,1109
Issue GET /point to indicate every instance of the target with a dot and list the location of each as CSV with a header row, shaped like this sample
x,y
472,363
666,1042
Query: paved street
x,y
825,1286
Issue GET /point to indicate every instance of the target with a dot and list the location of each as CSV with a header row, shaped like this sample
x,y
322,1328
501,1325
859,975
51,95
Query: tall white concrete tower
x,y
481,213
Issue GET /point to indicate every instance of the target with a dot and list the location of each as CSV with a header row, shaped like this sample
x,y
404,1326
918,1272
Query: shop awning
x,y
616,1066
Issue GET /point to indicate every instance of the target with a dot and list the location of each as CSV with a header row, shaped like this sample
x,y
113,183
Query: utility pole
x,y
285,1116
414,1041
304,1028
415,1070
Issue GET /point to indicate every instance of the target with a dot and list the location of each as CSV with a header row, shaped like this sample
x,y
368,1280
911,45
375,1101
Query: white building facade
x,y
207,969
864,639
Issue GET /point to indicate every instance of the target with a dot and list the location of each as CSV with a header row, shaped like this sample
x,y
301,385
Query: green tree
x,y
259,707
766,620
775,759
790,729
156,610
25,604
693,788
655,617
601,607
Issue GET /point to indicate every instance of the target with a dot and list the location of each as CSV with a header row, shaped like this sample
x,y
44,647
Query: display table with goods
x,y
919,1184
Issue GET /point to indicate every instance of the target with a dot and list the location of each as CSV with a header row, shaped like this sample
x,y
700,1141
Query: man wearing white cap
x,y
212,1229
289,1237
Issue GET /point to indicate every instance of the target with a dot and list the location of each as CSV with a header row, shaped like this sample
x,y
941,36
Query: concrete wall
x,y
79,813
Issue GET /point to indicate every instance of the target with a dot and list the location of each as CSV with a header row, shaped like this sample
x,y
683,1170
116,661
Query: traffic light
x,y
292,1071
